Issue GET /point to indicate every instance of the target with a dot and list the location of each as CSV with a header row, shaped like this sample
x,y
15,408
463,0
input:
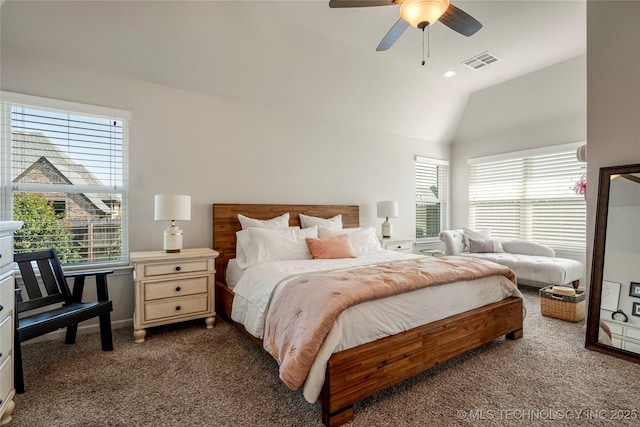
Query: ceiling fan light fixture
x,y
421,13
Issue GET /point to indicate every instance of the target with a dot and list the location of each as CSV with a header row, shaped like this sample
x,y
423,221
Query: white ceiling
x,y
525,35
300,55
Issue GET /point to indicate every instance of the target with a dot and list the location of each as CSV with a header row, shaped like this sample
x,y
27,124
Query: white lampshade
x,y
172,207
420,13
388,209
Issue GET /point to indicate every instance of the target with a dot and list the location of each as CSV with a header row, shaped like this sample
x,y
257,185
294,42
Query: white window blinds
x,y
530,195
65,176
431,197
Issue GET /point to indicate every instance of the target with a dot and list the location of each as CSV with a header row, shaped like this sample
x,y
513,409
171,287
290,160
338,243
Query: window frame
x,y
526,221
442,199
7,187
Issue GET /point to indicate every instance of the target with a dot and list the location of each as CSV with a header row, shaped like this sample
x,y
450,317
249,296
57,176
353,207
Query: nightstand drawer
x,y
615,329
176,307
632,333
174,288
176,267
6,326
399,246
632,346
6,294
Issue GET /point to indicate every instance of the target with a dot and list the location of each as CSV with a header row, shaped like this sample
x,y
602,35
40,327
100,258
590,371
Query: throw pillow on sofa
x,y
485,246
483,234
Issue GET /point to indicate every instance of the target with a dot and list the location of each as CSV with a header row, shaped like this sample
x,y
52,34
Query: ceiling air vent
x,y
481,60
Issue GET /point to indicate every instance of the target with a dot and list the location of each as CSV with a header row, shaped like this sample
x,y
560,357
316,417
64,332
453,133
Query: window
x,y
431,197
530,195
64,174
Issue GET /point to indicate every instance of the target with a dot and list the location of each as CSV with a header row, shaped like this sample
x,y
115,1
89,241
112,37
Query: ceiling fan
x,y
419,14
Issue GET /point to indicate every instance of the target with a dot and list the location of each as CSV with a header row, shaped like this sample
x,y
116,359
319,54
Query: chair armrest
x,y
74,274
78,283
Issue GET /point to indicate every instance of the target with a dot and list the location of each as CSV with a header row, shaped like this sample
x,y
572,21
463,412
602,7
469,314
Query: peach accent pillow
x,y
333,247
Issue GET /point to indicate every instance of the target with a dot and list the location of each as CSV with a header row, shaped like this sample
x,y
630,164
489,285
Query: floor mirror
x,y
613,322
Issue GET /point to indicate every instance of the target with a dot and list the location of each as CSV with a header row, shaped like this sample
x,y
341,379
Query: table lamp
x,y
387,209
172,207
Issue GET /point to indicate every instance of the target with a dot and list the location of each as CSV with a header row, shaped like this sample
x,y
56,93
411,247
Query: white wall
x,y
218,150
613,114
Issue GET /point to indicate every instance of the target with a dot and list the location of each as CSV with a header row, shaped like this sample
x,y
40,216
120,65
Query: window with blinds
x,y
64,174
431,197
530,195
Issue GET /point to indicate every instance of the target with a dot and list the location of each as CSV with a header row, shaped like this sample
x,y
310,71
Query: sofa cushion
x,y
543,269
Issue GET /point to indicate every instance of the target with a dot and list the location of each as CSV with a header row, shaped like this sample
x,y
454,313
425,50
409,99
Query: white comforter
x,y
366,322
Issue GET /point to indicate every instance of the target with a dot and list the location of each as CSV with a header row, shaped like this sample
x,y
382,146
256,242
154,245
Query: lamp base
x,y
172,239
386,228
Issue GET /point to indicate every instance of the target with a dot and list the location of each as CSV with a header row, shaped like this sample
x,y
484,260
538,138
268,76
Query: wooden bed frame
x,y
359,372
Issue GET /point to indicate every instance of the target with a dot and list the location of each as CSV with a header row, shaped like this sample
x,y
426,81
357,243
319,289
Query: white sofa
x,y
529,261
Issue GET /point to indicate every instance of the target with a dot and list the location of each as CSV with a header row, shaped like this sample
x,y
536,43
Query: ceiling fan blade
x,y
394,34
460,21
362,3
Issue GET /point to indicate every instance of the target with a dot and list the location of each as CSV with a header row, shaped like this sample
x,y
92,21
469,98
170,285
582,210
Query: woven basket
x,y
566,307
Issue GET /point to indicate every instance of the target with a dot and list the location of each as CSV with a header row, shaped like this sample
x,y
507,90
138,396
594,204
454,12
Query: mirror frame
x,y
597,264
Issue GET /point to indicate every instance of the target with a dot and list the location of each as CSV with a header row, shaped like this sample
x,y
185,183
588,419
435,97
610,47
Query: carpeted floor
x,y
186,375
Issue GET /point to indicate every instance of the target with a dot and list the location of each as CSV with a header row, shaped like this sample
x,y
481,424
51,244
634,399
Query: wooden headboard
x,y
226,224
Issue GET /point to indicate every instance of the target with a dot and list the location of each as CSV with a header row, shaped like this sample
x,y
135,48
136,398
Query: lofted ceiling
x,y
300,55
524,35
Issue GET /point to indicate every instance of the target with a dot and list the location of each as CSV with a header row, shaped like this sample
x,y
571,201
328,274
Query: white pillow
x,y
362,239
484,234
307,221
243,241
281,221
276,245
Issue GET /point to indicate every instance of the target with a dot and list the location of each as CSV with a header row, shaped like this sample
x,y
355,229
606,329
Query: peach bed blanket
x,y
303,314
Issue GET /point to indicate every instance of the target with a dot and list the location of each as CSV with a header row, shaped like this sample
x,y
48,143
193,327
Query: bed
x,y
357,372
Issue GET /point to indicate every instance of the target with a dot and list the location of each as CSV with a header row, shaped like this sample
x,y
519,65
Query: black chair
x,y
47,288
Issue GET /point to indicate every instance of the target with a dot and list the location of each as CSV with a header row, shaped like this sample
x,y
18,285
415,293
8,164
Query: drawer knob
x,y
178,308
178,268
177,288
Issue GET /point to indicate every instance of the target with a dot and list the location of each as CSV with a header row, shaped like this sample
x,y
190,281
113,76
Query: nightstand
x,y
397,244
173,287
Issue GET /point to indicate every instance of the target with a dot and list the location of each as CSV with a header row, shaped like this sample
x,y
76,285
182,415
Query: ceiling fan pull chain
x,y
428,43
423,47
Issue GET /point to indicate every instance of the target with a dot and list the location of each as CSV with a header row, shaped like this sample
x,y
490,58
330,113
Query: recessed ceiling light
x,y
449,73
